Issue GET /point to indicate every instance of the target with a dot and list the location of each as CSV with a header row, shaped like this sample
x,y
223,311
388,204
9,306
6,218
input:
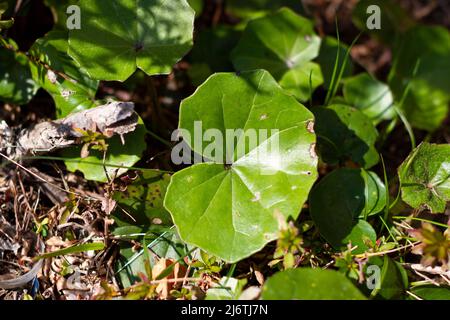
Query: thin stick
x,y
374,254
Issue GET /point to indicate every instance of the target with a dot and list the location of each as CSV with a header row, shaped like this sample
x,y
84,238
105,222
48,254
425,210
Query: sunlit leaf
x,y
60,76
310,284
425,177
230,210
119,36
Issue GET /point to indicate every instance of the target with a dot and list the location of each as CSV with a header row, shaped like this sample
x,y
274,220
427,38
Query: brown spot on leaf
x,y
310,126
312,151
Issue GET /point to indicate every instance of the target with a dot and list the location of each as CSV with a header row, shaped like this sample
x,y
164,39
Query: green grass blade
x,y
94,246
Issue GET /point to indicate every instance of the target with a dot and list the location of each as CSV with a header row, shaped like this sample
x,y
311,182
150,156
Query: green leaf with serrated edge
x,y
16,83
302,81
425,177
345,133
143,200
428,48
327,59
278,43
230,210
340,199
118,154
310,284
116,37
372,97
67,83
251,9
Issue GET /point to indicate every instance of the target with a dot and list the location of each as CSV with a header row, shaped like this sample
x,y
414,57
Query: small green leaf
x,y
278,43
345,133
369,95
310,284
297,81
361,237
425,177
16,83
117,155
5,24
66,82
119,36
230,210
340,199
393,278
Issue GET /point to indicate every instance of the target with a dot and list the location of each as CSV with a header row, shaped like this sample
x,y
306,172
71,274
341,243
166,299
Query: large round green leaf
x,y
426,105
116,37
230,210
279,43
16,83
340,199
425,177
310,284
66,82
369,95
345,133
118,157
